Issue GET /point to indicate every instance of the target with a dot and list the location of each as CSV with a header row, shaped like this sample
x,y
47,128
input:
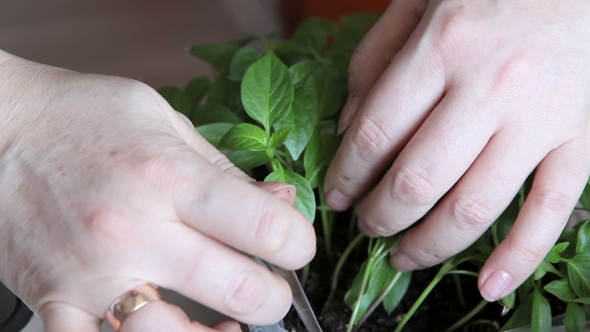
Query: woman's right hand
x,y
106,187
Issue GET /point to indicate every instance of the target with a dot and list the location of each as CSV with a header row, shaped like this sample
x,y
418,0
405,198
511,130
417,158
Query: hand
x,y
105,187
468,98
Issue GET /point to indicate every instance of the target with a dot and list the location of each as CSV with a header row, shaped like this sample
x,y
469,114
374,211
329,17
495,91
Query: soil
x,y
441,309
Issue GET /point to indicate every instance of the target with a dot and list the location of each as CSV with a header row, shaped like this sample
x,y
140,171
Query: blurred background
x,y
146,40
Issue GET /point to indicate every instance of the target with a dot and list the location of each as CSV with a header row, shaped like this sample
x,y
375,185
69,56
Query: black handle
x,y
20,317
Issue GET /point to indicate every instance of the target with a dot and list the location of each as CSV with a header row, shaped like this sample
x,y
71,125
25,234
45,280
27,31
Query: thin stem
x,y
378,301
467,317
326,224
581,209
357,303
352,225
341,262
304,275
468,273
420,299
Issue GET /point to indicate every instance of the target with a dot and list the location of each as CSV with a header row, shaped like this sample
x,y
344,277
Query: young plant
x,y
273,107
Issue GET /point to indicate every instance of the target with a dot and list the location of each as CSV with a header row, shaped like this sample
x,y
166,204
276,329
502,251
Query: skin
x,y
106,187
457,102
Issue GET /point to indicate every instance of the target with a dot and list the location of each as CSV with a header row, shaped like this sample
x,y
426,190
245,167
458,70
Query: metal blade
x,y
300,301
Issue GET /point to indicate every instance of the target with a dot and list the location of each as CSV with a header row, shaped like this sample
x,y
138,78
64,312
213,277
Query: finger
x,y
558,183
283,191
213,274
187,132
62,317
159,316
375,52
473,204
433,161
394,110
247,218
227,326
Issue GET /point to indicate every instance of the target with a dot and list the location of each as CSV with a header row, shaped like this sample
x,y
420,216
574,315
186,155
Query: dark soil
x,y
439,311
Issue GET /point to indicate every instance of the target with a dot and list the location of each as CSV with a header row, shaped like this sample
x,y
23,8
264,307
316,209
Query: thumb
x,y
62,317
374,54
159,316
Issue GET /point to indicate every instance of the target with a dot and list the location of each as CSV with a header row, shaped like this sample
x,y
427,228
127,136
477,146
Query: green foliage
x,y
274,106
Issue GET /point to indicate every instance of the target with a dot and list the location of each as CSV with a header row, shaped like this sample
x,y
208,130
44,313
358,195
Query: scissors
x,y
300,302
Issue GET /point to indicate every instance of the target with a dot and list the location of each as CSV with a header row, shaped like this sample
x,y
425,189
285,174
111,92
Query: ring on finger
x,y
130,302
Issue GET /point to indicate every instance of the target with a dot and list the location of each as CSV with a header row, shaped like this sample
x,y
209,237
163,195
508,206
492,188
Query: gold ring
x,y
129,302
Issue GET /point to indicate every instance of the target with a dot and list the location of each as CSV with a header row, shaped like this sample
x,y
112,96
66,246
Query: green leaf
x,y
218,55
583,300
561,289
245,136
397,292
267,90
197,88
583,245
508,301
381,275
314,32
585,198
360,20
575,317
213,112
541,318
305,200
553,255
303,117
525,289
226,92
578,269
303,70
522,316
247,160
243,59
504,223
177,98
545,267
280,136
330,91
214,132
318,154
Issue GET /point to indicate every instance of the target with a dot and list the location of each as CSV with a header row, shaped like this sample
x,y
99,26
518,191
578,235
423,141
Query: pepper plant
x,y
273,106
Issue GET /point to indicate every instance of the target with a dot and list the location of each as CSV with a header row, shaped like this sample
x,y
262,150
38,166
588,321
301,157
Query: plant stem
x,y
357,303
326,224
468,273
420,299
467,317
341,262
378,301
304,275
352,225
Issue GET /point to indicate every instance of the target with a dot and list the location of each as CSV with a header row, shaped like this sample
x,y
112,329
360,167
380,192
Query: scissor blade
x,y
300,301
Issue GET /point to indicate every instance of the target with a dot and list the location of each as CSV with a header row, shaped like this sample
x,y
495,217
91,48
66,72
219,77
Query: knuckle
x,y
379,228
247,293
451,31
526,253
422,257
271,232
473,213
371,138
158,171
413,186
551,201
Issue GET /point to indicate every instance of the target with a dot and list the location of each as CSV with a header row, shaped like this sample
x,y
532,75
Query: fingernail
x,y
286,192
348,113
337,200
403,263
496,285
